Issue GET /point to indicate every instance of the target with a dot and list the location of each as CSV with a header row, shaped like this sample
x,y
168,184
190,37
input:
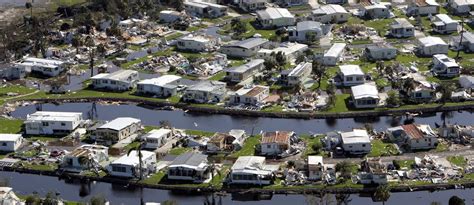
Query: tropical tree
x,y
382,193
280,58
318,71
138,149
101,50
408,85
29,5
380,66
446,90
77,42
90,44
455,200
343,199
98,200
393,100
345,168
311,38
238,26
270,64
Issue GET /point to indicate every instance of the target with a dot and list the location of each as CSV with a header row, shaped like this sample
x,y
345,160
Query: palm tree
x,y
318,71
408,85
90,44
382,193
77,42
29,5
88,163
138,149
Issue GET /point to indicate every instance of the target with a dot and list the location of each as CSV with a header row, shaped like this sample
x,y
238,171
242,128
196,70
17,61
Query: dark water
x,y
224,123
27,184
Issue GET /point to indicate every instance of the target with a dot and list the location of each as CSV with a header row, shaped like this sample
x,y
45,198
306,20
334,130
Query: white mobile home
x,y
117,129
443,24
10,142
252,170
157,138
252,5
49,123
128,166
275,143
466,81
423,7
334,54
275,18
205,92
351,75
356,142
121,80
401,28
190,167
198,43
243,72
85,157
46,67
169,16
245,48
420,137
251,95
297,75
431,45
12,72
461,6
376,11
205,9
365,96
290,50
331,13
163,86
445,66
380,52
303,31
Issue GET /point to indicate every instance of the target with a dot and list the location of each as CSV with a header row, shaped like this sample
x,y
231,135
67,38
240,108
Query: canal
x,y
223,123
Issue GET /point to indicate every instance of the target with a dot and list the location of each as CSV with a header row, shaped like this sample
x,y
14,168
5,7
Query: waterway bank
x,y
210,109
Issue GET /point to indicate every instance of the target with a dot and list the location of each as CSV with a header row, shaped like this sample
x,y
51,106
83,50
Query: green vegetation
x,y
218,76
380,148
273,108
155,178
249,146
199,133
340,105
404,164
10,126
441,147
180,150
313,146
459,161
129,64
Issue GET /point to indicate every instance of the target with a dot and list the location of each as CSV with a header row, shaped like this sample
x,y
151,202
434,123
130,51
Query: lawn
x,y
441,147
459,161
251,30
340,105
199,133
310,141
218,76
380,148
249,147
10,126
21,90
155,178
179,150
173,36
273,108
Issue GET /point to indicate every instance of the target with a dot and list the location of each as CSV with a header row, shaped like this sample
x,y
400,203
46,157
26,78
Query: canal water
x,y
28,184
223,123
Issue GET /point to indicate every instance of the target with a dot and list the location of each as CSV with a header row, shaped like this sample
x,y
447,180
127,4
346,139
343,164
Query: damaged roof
x,y
277,137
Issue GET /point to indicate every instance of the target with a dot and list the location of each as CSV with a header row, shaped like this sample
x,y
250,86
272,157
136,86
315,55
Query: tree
x,y
300,59
238,26
165,124
33,200
446,90
179,5
50,199
345,168
138,149
380,65
318,71
311,38
270,64
393,100
317,147
280,58
98,200
29,5
408,85
77,42
90,44
461,37
455,200
101,50
382,193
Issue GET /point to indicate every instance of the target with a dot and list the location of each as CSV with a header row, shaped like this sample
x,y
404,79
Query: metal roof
x,y
54,116
355,136
247,66
248,43
274,13
120,123
335,50
160,81
189,159
364,91
351,70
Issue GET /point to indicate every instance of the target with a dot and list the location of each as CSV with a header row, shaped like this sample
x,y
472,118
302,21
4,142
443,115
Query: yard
x,y
10,126
249,147
340,105
459,161
380,148
399,164
312,142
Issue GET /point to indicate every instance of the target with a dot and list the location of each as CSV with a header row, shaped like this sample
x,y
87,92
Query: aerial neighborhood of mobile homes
x,y
253,58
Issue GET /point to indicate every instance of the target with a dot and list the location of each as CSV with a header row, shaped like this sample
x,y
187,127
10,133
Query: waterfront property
x,y
318,170
117,129
466,81
157,138
205,92
356,142
163,86
276,143
11,72
190,166
373,172
250,95
46,67
413,136
52,123
121,80
10,142
226,142
252,170
128,166
85,157
365,96
8,197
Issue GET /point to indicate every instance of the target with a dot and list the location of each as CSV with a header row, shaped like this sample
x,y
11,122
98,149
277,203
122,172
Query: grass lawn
x,y
310,141
173,36
459,161
199,133
155,178
218,76
180,150
251,30
249,147
10,126
380,148
340,105
441,147
40,167
44,138
273,108
21,90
